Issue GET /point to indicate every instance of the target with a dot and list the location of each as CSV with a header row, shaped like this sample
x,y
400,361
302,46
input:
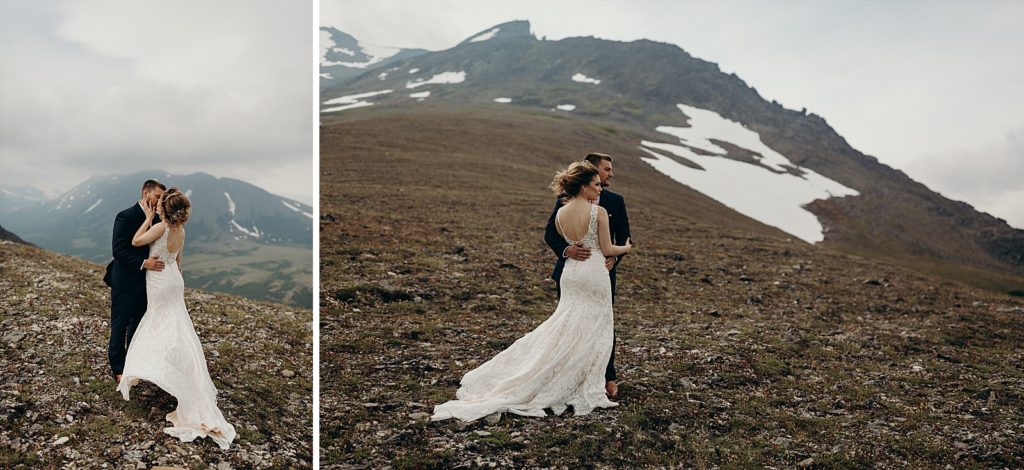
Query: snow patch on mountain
x,y
93,206
374,54
296,208
579,77
443,78
503,100
770,194
412,71
255,232
485,35
352,101
566,107
420,96
231,204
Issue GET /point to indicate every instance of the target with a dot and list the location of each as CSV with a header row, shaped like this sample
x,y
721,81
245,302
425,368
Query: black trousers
x,y
126,310
609,372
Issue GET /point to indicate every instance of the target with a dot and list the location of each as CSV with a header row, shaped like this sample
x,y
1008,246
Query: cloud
x,y
113,86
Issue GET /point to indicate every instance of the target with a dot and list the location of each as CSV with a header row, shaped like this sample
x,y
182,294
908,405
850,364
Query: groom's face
x,y
604,171
153,195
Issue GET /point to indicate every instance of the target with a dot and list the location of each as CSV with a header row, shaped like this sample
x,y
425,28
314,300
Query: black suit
x,y
618,225
127,282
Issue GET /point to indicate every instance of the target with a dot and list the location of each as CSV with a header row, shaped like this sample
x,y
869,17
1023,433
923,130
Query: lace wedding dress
x,y
561,363
166,351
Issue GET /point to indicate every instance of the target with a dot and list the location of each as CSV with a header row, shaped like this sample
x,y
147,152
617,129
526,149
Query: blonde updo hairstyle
x,y
175,206
569,182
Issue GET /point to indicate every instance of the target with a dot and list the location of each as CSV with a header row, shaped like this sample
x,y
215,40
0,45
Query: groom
x,y
618,223
126,276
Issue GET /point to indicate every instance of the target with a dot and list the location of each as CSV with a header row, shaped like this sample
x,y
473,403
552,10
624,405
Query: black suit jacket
x,y
618,224
125,270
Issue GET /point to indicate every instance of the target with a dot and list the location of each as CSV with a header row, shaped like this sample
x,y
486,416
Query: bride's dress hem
x,y
185,432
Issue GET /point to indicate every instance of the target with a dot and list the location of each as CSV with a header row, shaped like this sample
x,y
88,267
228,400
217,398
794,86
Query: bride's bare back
x,y
175,239
573,219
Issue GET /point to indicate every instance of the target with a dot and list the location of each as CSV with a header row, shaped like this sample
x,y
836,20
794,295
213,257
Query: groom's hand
x,y
153,264
609,263
577,253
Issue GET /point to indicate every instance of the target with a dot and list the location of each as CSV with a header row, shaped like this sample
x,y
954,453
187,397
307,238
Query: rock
x,y
687,384
14,337
223,466
805,463
287,374
493,418
782,441
482,433
872,282
420,416
61,440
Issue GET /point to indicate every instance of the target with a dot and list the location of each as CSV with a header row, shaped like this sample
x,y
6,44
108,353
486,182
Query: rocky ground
x,y
58,406
736,348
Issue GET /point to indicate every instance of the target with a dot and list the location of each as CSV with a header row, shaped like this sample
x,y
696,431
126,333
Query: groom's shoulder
x,y
128,211
611,195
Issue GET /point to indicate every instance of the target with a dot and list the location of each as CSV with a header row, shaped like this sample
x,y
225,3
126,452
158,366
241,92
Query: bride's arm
x,y
604,236
146,234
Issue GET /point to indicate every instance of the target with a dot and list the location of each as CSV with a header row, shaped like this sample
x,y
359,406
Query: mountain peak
x,y
517,29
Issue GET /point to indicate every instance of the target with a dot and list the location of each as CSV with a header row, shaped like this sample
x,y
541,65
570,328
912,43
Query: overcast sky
x,y
933,88
113,86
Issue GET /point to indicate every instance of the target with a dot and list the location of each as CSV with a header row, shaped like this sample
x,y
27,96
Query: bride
x,y
562,362
166,350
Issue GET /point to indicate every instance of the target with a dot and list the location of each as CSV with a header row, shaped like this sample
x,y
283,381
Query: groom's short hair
x,y
595,158
150,184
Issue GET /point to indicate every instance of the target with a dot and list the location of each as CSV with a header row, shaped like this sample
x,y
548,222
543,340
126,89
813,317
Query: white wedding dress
x,y
561,363
166,351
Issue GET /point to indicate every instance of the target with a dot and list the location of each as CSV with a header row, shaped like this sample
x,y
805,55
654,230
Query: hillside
x,y
754,156
8,236
739,346
58,406
242,239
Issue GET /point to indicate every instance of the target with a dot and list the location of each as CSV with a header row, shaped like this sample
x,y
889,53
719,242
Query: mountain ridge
x,y
640,84
241,238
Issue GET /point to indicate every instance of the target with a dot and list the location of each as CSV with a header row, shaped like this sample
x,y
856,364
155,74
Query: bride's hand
x,y
148,209
629,244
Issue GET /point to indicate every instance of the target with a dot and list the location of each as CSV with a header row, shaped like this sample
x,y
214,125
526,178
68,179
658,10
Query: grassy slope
x,y
736,345
55,315
270,273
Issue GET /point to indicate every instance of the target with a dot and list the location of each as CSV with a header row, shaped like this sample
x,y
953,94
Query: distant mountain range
x,y
706,130
241,239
